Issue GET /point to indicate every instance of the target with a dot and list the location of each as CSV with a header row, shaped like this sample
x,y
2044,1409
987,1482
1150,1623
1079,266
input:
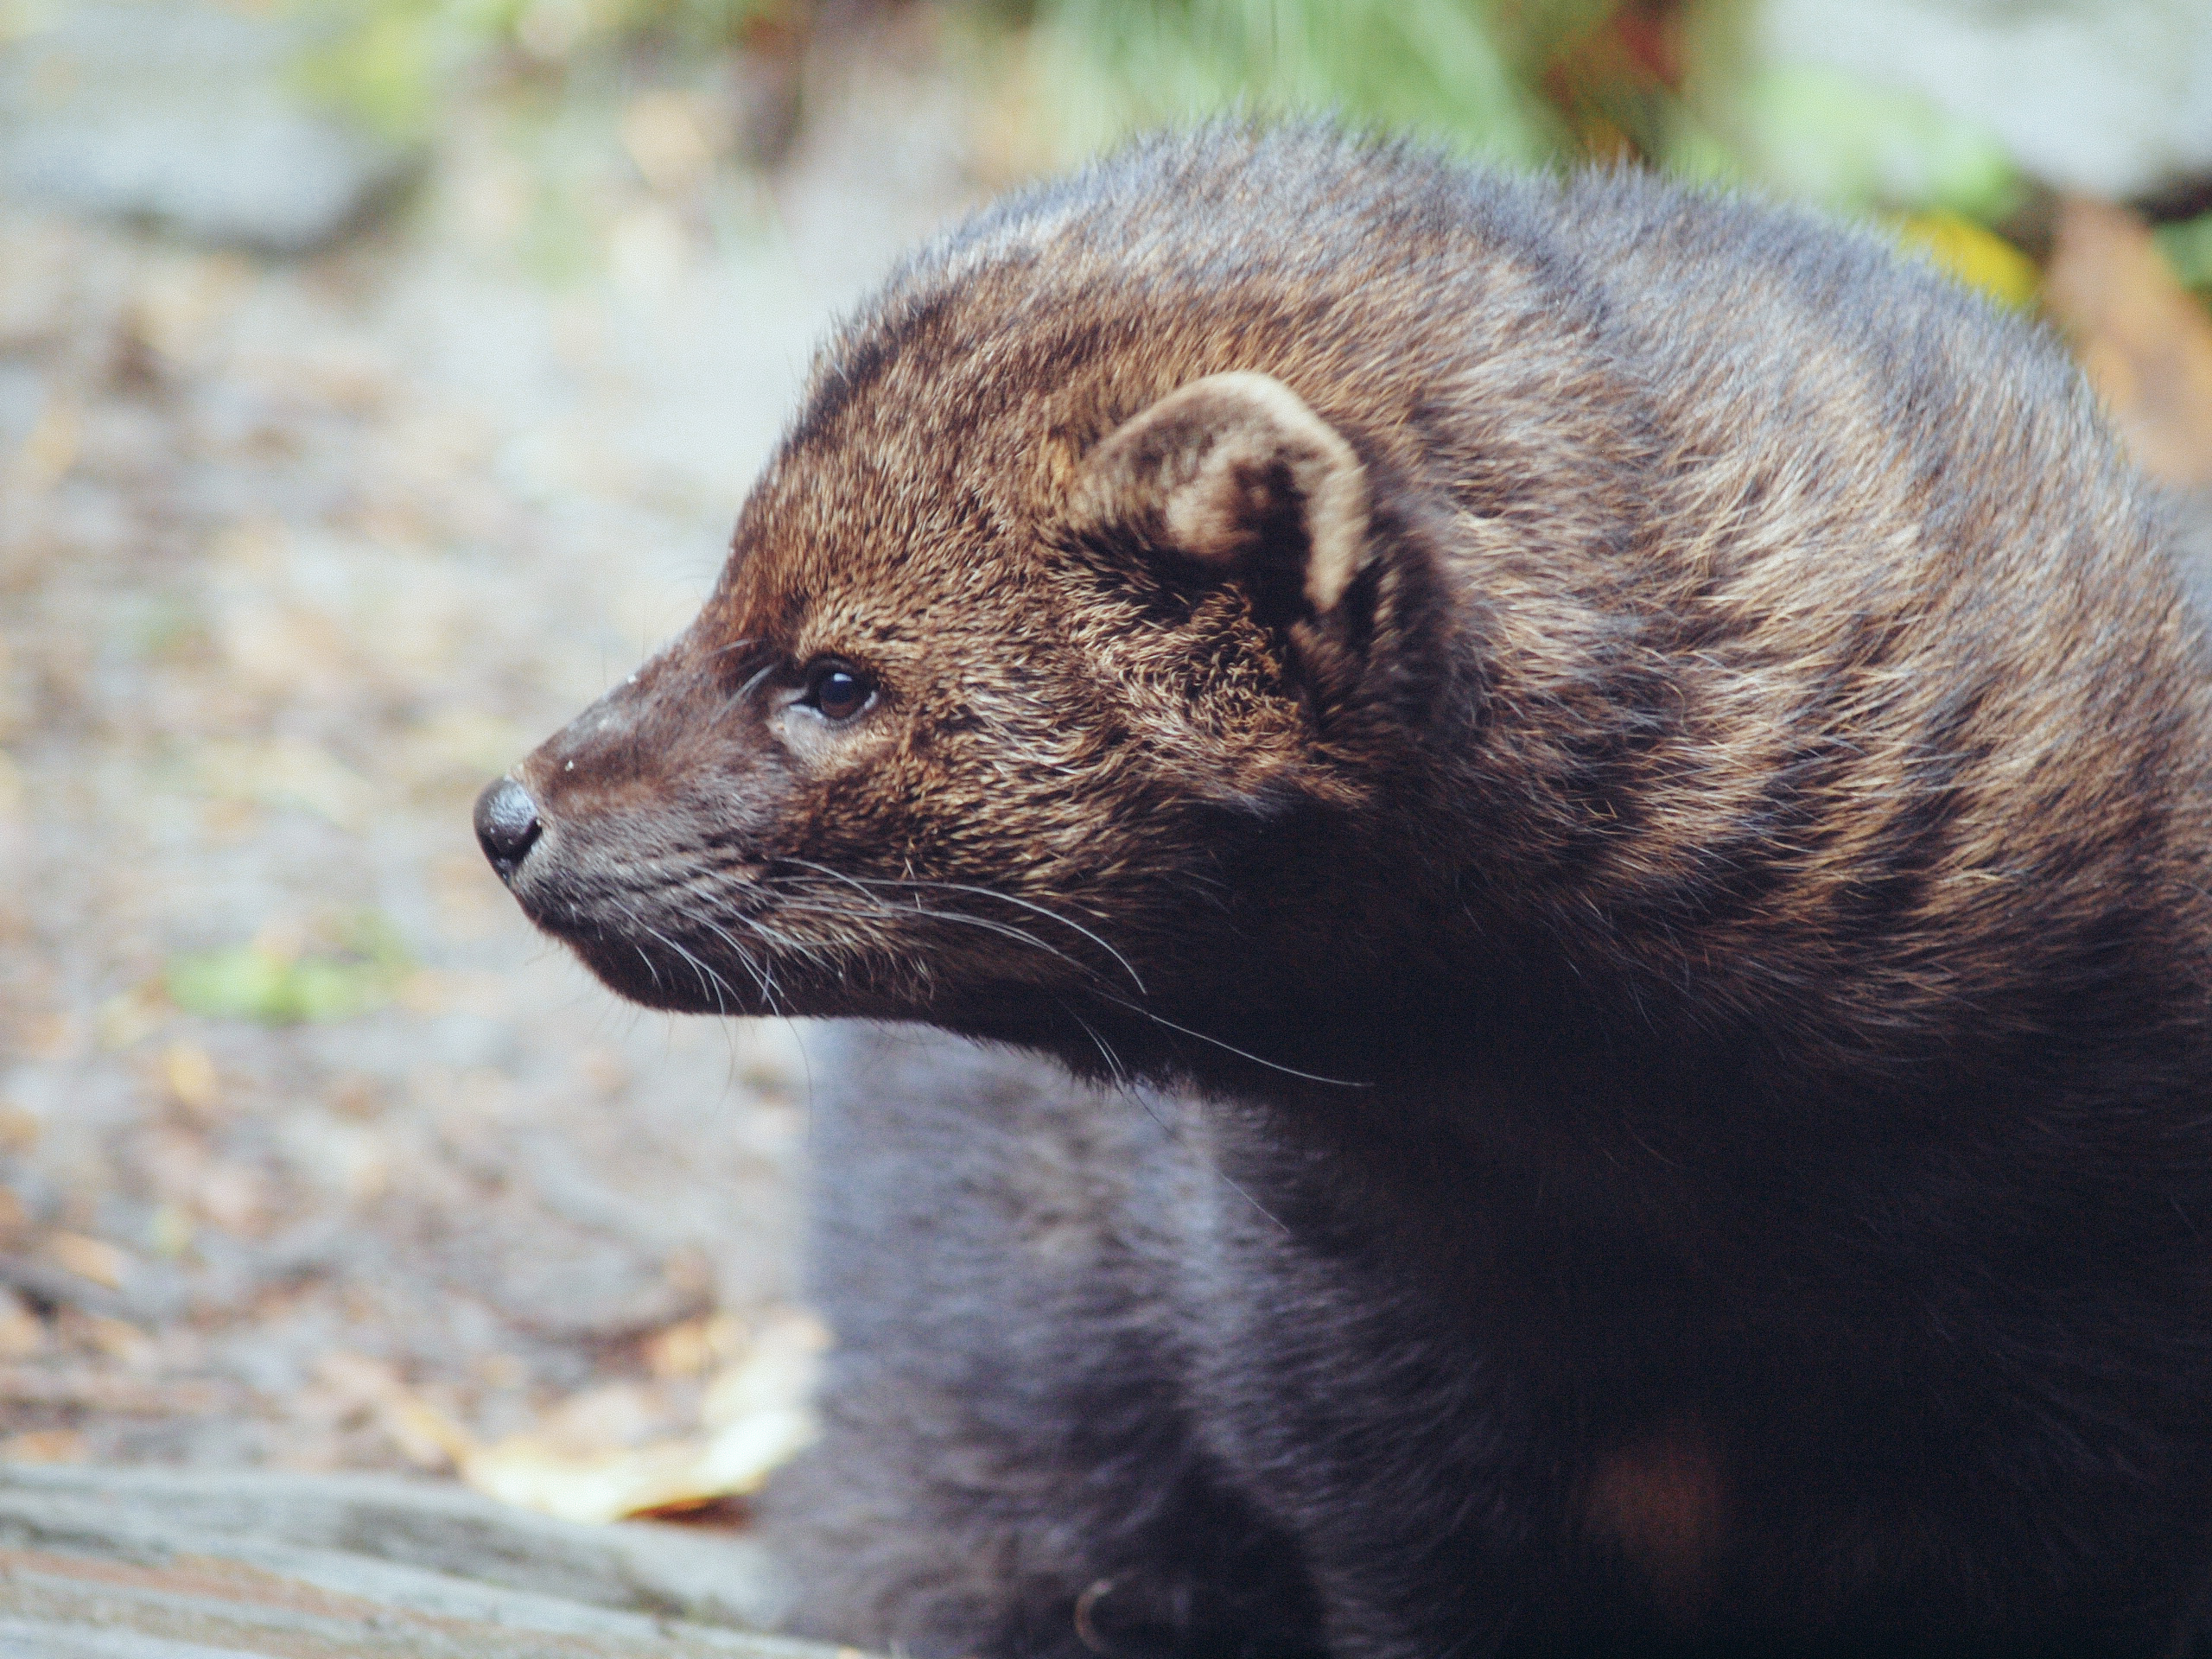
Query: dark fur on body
x,y
1651,779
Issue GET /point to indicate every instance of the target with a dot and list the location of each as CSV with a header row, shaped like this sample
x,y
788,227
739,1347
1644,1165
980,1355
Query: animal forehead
x,y
894,581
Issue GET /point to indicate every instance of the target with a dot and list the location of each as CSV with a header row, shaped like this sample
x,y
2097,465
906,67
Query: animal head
x,y
1089,603
921,750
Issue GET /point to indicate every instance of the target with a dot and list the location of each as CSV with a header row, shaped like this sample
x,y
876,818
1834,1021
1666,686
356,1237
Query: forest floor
x,y
312,1155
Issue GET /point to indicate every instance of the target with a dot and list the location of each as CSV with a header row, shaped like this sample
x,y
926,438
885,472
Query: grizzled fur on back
x,y
1642,763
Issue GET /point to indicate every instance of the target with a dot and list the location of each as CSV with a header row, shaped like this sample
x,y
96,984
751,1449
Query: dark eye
x,y
838,691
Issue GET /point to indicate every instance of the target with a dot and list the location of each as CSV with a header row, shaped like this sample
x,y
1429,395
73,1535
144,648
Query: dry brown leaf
x,y
610,1417
183,300
118,1340
524,1470
191,1077
693,1348
775,1372
428,1437
130,1017
22,1333
19,1130
2143,340
528,1471
233,1196
51,450
90,1258
15,1219
43,1445
755,1415
103,1391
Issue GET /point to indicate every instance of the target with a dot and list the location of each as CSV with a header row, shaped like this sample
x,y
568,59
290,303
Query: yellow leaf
x,y
1981,259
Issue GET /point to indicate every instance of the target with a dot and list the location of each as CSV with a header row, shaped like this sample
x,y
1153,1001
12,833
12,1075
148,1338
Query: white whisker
x,y
985,892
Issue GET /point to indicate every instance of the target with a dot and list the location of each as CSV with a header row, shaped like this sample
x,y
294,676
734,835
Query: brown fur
x,y
1649,761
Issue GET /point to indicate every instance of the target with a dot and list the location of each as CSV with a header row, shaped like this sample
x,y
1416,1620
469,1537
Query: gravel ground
x,y
294,557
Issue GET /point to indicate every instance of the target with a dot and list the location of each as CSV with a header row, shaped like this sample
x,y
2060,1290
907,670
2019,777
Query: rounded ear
x,y
1237,474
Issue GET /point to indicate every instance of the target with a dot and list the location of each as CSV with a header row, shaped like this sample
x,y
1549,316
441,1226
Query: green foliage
x,y
1449,70
2188,247
356,972
395,62
1526,82
1823,135
1529,83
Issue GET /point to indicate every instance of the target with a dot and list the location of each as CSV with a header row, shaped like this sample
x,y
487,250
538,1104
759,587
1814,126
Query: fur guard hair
x,y
1608,786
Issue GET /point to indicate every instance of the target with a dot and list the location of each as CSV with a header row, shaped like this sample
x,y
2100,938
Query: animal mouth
x,y
660,971
657,943
687,922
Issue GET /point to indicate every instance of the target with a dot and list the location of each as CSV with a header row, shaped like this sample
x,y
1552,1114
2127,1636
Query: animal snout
x,y
507,825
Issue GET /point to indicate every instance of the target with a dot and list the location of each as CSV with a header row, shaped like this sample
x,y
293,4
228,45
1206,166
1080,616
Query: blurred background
x,y
379,380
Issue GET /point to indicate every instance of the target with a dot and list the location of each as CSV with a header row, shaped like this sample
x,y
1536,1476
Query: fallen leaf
x,y
131,1016
691,1348
43,1445
232,1195
2145,343
613,1417
742,1454
182,301
117,1338
428,1437
524,1471
105,1392
19,1129
22,1333
90,1258
776,1372
190,1075
756,1414
51,450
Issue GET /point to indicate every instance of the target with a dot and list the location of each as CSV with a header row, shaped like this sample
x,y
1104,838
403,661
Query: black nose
x,y
506,825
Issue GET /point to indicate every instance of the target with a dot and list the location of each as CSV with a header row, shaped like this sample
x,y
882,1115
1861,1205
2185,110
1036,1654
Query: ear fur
x,y
1236,472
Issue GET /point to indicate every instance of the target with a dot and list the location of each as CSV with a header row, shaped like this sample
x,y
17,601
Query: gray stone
x,y
186,117
176,1564
2110,97
348,1531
